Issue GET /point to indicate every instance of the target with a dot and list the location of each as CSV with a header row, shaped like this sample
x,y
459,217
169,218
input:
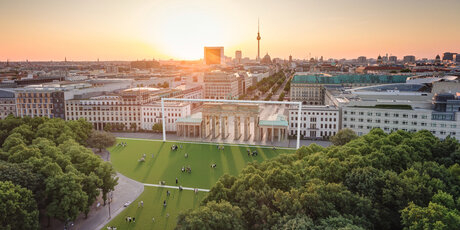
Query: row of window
x,y
395,129
315,113
379,114
396,122
314,119
313,126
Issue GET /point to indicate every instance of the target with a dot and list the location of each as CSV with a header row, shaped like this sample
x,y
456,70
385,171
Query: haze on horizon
x,y
179,29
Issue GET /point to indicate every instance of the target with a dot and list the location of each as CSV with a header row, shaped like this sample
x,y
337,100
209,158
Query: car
x,y
127,204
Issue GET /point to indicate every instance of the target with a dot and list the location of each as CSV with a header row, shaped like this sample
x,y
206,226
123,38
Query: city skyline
x,y
52,30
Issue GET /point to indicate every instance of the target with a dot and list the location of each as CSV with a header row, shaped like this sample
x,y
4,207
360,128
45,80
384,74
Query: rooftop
x,y
348,79
195,118
274,120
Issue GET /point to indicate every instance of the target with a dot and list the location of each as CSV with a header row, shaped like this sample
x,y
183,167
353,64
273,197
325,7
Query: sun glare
x,y
182,33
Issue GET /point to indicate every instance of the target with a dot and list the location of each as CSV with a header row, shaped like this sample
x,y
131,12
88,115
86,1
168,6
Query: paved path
x,y
176,187
172,137
205,143
126,190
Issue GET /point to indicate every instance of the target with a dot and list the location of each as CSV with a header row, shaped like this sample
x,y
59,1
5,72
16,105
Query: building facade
x,y
316,122
7,104
220,85
40,102
151,114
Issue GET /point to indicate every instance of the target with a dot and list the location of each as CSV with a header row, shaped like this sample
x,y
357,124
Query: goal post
x,y
299,104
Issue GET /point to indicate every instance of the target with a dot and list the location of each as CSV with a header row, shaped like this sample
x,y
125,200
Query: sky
x,y
42,30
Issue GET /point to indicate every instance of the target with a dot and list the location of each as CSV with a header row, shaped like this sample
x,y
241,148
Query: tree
x,y
157,127
108,127
343,136
133,126
212,216
18,209
101,139
109,181
66,197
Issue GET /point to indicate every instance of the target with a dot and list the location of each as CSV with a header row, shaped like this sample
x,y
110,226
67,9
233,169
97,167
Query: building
x,y
220,85
40,101
409,59
310,88
122,111
409,108
448,56
362,59
393,59
457,57
144,64
266,60
7,103
238,56
316,122
214,55
151,114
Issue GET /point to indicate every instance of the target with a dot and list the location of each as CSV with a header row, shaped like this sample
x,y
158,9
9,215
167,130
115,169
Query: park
x,y
156,163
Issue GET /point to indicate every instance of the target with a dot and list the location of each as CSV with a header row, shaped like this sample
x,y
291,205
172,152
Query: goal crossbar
x,y
299,104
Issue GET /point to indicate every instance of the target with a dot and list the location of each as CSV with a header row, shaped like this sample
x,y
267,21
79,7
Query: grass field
x,y
153,208
166,166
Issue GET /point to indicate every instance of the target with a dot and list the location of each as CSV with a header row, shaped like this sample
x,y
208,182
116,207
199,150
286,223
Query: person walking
x,y
177,180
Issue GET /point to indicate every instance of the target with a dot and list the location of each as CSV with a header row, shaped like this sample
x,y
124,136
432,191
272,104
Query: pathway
x,y
176,187
173,138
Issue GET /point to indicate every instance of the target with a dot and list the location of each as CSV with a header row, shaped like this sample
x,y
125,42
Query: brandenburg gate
x,y
216,120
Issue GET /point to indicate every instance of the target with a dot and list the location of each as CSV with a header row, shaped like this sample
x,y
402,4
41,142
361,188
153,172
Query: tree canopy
x,y
101,139
47,158
376,181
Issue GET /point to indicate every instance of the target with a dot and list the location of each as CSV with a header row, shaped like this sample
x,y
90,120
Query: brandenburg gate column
x,y
223,126
213,127
279,135
246,128
256,128
237,128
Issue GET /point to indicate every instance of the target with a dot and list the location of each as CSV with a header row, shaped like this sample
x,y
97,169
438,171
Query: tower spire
x,y
258,39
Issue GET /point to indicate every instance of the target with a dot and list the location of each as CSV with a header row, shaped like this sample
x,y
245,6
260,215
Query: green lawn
x,y
153,208
166,165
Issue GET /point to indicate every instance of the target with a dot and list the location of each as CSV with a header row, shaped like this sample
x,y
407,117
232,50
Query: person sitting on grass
x,y
180,188
186,155
213,166
183,169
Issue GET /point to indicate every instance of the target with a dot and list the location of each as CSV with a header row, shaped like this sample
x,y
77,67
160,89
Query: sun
x,y
182,32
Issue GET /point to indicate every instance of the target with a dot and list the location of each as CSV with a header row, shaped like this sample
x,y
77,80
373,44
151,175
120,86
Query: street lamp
x,y
110,201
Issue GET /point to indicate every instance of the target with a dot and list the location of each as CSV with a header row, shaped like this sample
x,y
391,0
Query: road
x,y
281,89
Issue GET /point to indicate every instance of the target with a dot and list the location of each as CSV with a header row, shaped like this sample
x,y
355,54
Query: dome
x,y
266,59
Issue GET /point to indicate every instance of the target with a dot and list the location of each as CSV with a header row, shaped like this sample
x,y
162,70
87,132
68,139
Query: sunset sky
x,y
163,29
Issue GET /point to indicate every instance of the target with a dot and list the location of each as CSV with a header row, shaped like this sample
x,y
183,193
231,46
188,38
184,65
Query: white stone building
x,y
316,122
151,114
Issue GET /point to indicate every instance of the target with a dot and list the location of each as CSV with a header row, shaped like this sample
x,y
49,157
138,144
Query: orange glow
x,y
179,29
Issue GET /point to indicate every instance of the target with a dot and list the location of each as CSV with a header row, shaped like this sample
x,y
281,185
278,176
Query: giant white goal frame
x,y
232,101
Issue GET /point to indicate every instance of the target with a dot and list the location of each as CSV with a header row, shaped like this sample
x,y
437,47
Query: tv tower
x,y
258,41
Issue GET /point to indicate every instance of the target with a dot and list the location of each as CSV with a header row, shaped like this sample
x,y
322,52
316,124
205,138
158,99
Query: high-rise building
x,y
393,59
457,57
290,58
448,56
362,59
238,56
214,55
409,59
